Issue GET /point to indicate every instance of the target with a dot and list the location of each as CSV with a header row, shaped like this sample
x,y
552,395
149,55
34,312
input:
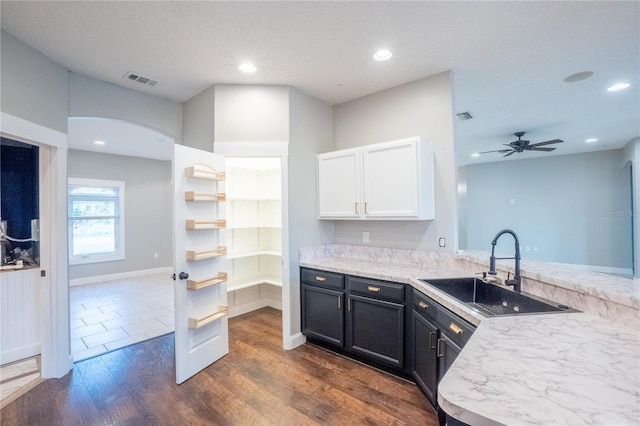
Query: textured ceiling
x,y
509,58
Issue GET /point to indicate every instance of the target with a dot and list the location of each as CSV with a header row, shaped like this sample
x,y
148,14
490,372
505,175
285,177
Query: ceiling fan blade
x,y
502,151
510,153
535,148
547,142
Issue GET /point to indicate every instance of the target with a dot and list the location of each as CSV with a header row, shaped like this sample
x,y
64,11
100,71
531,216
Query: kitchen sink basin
x,y
491,300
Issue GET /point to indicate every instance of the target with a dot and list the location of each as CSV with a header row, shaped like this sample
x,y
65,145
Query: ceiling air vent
x,y
131,76
464,116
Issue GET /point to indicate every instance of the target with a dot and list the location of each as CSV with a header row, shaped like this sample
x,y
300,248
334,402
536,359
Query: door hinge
x,y
43,273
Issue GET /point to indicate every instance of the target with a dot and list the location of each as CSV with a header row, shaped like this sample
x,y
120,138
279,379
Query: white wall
x,y
311,131
420,108
148,207
89,97
572,208
197,118
251,113
32,87
34,106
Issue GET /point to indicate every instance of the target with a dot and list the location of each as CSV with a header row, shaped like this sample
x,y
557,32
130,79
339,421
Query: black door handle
x,y
183,275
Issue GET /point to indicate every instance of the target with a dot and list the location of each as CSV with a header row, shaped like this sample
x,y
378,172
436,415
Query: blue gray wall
x,y
148,209
568,209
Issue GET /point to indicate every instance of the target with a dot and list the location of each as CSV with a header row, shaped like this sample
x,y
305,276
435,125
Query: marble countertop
x,y
560,368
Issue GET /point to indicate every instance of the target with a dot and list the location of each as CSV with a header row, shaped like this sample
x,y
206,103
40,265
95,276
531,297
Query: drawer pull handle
x,y
356,206
321,279
423,305
339,302
374,289
455,328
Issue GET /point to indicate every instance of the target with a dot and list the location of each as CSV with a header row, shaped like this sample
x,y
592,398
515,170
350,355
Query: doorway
x,y
253,188
120,259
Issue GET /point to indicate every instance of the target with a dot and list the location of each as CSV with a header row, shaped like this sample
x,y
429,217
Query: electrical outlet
x,y
365,237
442,242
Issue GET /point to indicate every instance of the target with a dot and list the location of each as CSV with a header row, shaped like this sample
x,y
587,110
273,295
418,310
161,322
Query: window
x,y
96,220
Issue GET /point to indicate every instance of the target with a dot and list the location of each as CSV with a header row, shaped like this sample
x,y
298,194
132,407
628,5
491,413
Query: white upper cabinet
x,y
386,181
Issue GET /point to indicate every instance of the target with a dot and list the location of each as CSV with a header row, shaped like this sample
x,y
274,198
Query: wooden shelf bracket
x,y
194,196
196,323
197,285
203,172
192,225
194,256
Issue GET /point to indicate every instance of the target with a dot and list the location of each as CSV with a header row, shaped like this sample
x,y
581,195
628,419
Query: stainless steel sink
x,y
492,300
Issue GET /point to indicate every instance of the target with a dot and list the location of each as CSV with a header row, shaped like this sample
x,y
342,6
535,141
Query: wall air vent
x,y
464,116
131,76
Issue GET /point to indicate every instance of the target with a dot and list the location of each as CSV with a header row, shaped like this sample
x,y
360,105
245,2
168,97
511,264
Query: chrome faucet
x,y
516,281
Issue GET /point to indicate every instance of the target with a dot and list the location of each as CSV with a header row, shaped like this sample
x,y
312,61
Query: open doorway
x,y
253,188
120,253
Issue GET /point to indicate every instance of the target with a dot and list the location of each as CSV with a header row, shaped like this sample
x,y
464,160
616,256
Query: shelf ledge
x,y
196,323
197,285
195,225
193,196
194,256
203,172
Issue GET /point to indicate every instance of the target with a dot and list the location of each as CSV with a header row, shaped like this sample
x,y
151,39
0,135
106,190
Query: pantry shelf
x,y
194,225
203,172
194,256
196,323
193,196
197,285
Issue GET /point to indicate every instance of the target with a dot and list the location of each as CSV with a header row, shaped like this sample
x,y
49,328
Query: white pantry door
x,y
200,287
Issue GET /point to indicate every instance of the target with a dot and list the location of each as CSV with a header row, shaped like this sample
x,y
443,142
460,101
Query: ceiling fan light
x,y
619,86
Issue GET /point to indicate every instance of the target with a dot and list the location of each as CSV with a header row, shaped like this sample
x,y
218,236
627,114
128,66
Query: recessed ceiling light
x,y
382,55
99,142
591,140
619,86
579,76
248,68
475,154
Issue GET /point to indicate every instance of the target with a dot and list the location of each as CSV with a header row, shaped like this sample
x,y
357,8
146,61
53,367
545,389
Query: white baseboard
x,y
234,311
295,341
119,276
20,353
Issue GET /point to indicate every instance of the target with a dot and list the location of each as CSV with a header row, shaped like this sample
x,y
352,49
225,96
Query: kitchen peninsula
x,y
560,368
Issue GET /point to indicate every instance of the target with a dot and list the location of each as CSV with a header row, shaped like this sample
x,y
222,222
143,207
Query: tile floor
x,y
114,314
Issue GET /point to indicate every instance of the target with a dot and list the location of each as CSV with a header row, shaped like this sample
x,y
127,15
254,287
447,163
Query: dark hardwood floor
x,y
257,383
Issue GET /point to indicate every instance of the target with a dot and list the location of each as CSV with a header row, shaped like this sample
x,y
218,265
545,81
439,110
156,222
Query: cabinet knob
x,y
423,305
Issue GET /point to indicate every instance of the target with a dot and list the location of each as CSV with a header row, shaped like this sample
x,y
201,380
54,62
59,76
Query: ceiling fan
x,y
522,145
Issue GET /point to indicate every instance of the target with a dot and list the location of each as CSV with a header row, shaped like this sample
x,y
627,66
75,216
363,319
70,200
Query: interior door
x,y
200,288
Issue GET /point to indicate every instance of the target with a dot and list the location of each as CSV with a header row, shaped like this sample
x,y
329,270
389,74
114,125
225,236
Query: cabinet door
x,y
425,360
447,353
339,184
376,330
323,314
398,180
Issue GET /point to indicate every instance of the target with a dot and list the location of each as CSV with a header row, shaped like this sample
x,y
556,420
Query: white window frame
x,y
120,229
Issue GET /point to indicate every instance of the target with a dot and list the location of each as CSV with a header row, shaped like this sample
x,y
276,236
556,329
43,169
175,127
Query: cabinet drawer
x,y
322,278
457,329
383,290
425,306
